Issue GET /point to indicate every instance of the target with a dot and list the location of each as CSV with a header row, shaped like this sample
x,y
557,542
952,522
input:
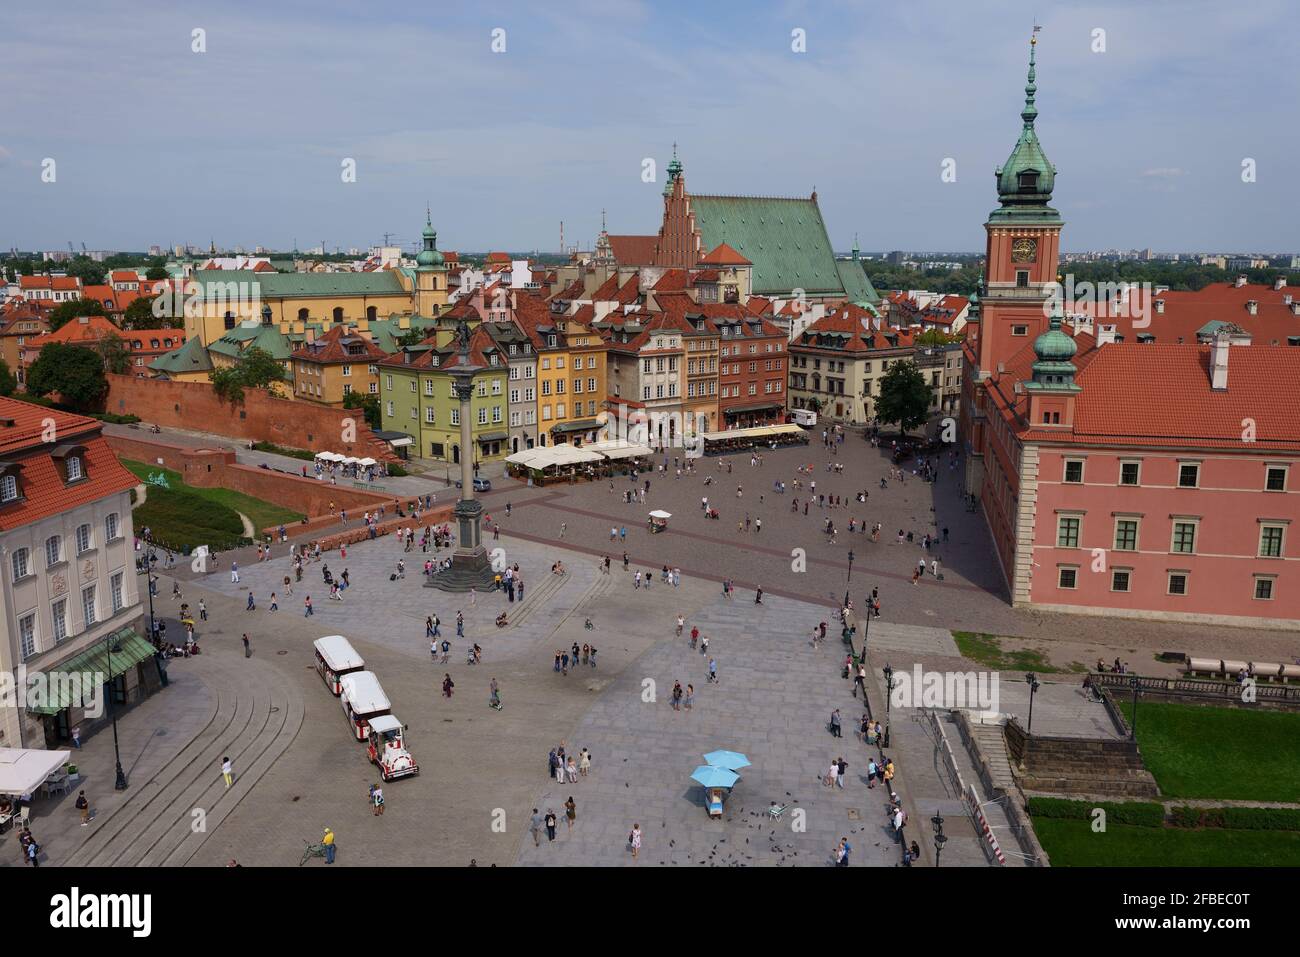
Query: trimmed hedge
x,y
280,450
1136,813
114,418
396,471
1239,818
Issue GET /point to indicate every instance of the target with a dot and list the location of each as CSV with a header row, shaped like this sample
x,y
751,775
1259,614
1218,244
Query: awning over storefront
x,y
618,449
586,425
493,436
752,407
93,665
23,770
551,455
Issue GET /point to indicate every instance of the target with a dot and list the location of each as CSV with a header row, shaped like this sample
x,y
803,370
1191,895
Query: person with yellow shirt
x,y
328,841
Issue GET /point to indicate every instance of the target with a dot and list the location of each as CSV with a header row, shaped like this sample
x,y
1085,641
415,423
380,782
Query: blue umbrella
x,y
732,760
711,777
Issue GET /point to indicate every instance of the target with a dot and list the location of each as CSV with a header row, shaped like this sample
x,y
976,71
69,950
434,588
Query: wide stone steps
x,y
254,720
993,747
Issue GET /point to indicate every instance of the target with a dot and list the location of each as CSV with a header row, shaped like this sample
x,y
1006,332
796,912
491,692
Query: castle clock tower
x,y
1023,247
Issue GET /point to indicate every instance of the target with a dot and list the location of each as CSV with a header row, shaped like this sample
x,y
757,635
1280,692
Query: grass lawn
x,y
1073,844
986,649
185,515
1205,752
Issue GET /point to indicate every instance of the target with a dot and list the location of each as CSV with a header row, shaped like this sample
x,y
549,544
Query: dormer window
x,y
1029,180
550,341
8,489
74,468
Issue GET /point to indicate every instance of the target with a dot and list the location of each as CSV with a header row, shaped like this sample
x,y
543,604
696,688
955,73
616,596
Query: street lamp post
x,y
889,693
1031,679
109,639
940,839
1135,683
849,580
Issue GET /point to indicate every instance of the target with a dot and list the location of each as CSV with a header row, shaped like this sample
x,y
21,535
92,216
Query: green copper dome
x,y
1054,349
429,257
1026,179
674,172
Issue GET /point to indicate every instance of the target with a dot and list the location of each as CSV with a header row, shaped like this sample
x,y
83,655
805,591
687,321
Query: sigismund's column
x,y
470,566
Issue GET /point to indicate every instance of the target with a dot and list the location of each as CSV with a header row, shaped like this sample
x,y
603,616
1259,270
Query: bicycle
x,y
310,851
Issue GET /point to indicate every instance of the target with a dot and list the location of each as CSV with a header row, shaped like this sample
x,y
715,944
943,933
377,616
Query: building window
x,y
1022,278
1264,588
20,561
347,370
1270,541
1276,479
1126,535
428,415
1119,579
1074,471
74,468
1184,538
390,408
88,604
1129,473
115,590
1189,476
111,527
27,635
482,416
83,538
8,488
455,416
1067,577
1178,583
1015,331
428,387
53,550
388,382
59,614
1067,532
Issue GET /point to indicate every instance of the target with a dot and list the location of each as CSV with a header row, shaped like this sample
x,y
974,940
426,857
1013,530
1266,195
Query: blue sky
x,y
244,143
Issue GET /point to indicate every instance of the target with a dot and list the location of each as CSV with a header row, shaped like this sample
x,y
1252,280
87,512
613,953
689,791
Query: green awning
x,y
128,650
585,425
493,436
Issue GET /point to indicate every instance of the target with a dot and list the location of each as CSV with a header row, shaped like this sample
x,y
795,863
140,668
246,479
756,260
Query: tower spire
x,y
1030,112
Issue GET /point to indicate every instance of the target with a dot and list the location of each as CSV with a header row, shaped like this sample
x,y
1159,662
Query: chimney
x,y
1160,307
1105,336
1219,366
1241,281
1252,306
1286,300
1295,307
1279,283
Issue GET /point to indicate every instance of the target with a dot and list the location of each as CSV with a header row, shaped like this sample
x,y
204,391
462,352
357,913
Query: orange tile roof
x,y
44,491
333,347
634,250
724,255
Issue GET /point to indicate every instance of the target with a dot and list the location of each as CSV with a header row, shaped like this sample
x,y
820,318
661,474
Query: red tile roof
x,y
634,250
333,347
85,330
44,493
724,255
1185,312
57,283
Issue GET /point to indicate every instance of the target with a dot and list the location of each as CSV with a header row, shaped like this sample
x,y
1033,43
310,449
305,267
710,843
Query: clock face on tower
x,y
1024,250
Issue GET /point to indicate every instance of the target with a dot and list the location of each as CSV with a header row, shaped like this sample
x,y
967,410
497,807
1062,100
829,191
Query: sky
x,y
246,142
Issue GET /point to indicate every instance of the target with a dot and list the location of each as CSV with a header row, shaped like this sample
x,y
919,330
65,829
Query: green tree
x,y
116,356
8,384
255,369
155,272
140,314
87,270
74,372
65,312
369,404
904,396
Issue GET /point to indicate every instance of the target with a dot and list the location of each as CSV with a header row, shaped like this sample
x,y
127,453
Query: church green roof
x,y
303,284
857,285
785,239
191,357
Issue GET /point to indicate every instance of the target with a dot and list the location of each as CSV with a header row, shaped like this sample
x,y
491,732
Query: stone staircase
x,y
254,720
993,747
1086,767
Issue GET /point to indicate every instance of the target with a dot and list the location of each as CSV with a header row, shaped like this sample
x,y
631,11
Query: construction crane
x,y
83,249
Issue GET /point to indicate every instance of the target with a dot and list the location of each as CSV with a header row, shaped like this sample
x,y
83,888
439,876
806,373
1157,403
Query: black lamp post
x,y
849,580
889,693
110,640
940,839
1031,679
1135,683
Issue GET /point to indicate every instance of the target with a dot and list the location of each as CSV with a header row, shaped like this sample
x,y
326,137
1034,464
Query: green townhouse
x,y
416,397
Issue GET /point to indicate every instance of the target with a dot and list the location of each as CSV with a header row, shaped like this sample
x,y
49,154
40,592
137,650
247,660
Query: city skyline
x,y
245,143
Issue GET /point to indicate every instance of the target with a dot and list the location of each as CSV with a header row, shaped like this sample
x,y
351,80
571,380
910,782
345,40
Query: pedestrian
x,y
713,672
307,609
275,606
871,773
843,767
550,824
203,611
535,825
634,840
571,811
248,648
680,623
571,769
227,772
447,685
690,697
429,631
234,573
328,841
446,650
835,723
494,695
251,605
83,806
377,799
695,635
584,762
